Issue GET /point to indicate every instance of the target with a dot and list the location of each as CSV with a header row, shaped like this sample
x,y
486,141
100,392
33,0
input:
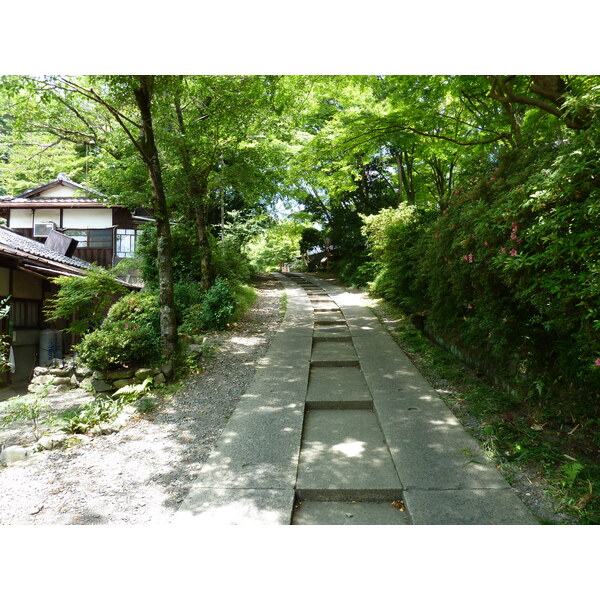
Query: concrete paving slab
x,y
250,475
435,452
337,387
467,507
314,512
235,507
258,449
432,452
338,326
344,451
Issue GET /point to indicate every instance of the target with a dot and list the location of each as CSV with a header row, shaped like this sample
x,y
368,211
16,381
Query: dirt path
x,y
141,474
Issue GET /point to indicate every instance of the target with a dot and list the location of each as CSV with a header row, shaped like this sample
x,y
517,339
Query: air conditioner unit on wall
x,y
43,229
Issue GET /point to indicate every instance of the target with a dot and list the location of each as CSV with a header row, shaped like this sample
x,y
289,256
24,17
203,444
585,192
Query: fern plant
x,y
571,472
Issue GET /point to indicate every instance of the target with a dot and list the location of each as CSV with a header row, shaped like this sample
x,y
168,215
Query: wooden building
x,y
105,234
26,271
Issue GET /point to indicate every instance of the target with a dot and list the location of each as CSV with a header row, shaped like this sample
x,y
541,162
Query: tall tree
x,y
76,110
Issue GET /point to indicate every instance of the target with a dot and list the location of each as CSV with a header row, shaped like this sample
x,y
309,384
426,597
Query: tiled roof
x,y
19,242
62,179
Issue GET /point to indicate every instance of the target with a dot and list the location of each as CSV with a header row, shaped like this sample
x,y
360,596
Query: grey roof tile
x,y
19,242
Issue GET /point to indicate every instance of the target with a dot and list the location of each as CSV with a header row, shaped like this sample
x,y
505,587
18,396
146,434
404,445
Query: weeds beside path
x,y
532,460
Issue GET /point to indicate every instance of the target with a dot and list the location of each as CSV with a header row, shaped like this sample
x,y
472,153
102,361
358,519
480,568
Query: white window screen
x,y
126,242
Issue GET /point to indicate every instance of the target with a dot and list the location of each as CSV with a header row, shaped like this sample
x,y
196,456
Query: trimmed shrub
x,y
128,337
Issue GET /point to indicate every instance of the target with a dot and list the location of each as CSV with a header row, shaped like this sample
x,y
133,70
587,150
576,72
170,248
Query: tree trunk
x,y
168,322
207,277
196,192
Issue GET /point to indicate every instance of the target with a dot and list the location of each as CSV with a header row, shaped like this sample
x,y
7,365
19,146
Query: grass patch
x,y
245,296
515,432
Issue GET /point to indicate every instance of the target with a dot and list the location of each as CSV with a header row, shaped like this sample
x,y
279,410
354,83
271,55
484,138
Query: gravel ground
x,y
141,474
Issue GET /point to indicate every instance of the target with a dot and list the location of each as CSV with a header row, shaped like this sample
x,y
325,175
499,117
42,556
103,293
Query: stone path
x,y
338,427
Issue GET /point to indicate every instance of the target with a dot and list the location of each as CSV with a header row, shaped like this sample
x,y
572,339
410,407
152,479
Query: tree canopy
x,y
460,157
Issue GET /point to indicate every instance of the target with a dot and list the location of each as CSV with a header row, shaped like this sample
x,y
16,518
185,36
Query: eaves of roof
x,y
61,179
68,202
68,269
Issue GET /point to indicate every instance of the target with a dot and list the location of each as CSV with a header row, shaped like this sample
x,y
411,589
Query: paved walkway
x,y
338,427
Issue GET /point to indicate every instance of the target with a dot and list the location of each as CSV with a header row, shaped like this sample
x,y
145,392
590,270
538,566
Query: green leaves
x,y
83,301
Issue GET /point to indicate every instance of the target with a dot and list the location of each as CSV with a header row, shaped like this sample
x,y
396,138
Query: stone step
x,y
330,319
334,363
336,337
315,512
329,333
344,456
326,350
337,388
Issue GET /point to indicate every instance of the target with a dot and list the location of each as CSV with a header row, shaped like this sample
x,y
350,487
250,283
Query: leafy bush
x,y
231,263
93,413
128,337
27,408
509,270
187,293
357,271
392,236
192,321
85,298
218,305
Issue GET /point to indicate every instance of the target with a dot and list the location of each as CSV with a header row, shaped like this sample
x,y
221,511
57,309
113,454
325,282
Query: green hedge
x,y
509,271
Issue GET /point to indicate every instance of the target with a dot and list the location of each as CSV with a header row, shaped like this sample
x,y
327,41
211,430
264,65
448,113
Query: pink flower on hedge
x,y
473,236
470,258
126,325
513,252
513,236
485,244
503,250
597,362
469,306
436,235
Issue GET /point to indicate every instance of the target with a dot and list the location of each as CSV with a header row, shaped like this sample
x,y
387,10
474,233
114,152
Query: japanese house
x,y
26,269
105,234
